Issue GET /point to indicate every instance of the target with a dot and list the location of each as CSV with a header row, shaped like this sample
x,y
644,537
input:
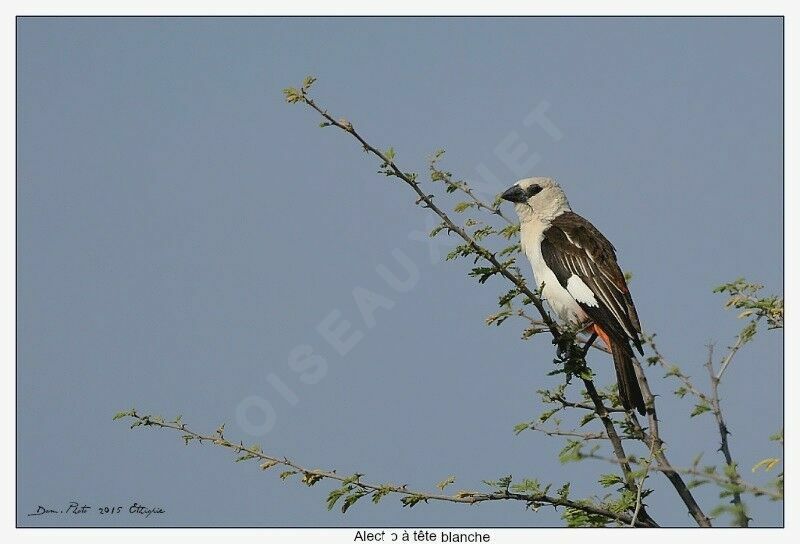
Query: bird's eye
x,y
532,190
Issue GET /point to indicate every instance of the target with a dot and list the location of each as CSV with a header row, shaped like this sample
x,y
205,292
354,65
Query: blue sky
x,y
184,236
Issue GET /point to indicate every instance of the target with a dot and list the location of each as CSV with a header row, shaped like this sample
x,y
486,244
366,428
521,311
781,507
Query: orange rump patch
x,y
602,334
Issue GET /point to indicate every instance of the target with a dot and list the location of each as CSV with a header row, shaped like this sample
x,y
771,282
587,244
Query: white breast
x,y
559,299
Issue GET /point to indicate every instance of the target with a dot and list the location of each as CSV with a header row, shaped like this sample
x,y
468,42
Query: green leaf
x,y
354,478
510,230
461,250
483,273
696,483
335,495
412,500
608,480
292,95
483,232
308,82
447,481
527,487
437,229
508,250
498,318
700,409
508,297
587,418
350,500
580,518
547,414
748,332
501,484
245,457
310,478
519,427
730,471
380,493
571,452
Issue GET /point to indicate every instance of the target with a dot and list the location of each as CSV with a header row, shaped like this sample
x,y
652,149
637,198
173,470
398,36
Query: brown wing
x,y
574,247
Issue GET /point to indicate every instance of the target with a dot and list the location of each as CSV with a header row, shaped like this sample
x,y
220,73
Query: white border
x,y
10,9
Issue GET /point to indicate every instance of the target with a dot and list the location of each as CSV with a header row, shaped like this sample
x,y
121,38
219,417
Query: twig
x,y
663,463
616,442
464,187
572,433
640,485
518,281
569,404
741,517
675,479
698,473
728,358
674,370
313,475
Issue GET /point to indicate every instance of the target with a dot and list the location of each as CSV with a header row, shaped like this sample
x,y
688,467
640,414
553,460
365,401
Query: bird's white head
x,y
537,199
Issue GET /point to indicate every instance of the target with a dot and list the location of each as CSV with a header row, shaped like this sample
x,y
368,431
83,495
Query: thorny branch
x,y
672,370
654,440
362,489
640,485
466,189
629,513
741,516
300,95
711,401
698,473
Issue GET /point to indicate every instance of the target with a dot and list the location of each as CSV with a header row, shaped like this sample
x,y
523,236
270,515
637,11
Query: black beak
x,y
514,194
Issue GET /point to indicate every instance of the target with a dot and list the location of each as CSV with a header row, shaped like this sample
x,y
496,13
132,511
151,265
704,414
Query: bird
x,y
576,268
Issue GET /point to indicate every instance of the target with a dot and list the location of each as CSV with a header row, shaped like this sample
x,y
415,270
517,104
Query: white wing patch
x,y
580,291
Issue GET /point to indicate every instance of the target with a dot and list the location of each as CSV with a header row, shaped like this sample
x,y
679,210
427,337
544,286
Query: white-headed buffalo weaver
x,y
582,281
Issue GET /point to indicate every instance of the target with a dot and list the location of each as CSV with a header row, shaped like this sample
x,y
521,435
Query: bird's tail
x,y
630,394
